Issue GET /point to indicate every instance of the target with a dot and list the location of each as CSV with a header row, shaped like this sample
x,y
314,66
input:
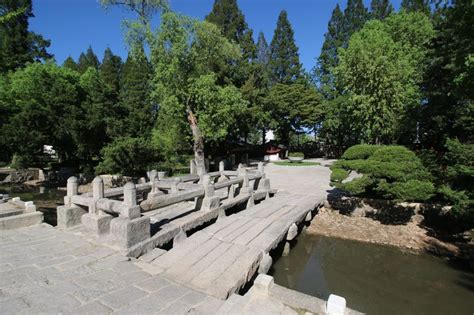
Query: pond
x,y
376,279
46,199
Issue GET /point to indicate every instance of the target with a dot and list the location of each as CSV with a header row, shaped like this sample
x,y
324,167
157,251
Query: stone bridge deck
x,y
222,258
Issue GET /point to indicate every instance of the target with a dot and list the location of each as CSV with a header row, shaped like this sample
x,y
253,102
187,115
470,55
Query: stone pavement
x,y
304,180
49,271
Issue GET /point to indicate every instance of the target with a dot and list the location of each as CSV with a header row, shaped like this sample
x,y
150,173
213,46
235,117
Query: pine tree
x,y
263,51
285,64
18,45
227,15
89,59
380,9
135,104
355,16
416,5
70,63
110,71
333,39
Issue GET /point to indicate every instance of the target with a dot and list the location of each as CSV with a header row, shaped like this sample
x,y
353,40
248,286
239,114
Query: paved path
x,y
45,270
304,180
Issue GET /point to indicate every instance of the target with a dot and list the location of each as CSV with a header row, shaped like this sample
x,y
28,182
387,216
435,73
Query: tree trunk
x,y
198,146
263,136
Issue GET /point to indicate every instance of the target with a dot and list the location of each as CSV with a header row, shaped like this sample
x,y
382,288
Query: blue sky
x,y
73,25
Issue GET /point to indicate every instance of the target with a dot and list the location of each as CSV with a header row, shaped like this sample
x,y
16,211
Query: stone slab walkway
x,y
220,259
44,270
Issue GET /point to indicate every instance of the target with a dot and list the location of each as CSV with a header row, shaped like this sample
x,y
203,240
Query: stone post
x,y
246,188
221,170
192,167
174,185
210,201
70,215
97,221
130,227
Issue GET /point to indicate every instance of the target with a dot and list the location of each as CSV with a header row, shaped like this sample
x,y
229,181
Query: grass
x,y
286,163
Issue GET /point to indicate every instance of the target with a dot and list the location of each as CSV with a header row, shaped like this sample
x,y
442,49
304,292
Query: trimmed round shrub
x,y
296,154
360,152
338,175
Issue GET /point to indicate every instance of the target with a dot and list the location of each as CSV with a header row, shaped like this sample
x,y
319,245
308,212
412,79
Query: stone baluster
x,y
174,185
97,222
70,214
210,201
246,188
130,228
222,177
97,193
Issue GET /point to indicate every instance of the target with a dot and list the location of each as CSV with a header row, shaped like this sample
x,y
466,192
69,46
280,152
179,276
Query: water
x,y
376,279
46,199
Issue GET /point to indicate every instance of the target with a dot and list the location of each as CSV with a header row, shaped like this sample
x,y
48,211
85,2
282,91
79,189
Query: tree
x,y
381,72
333,39
355,16
292,107
285,64
137,114
228,17
416,6
110,71
89,59
70,63
139,31
380,9
263,51
19,46
450,78
41,99
184,57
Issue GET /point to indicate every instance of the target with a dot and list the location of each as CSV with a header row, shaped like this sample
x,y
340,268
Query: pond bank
x,y
409,236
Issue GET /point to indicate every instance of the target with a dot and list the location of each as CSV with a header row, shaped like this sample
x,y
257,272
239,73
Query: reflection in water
x,y
376,279
46,199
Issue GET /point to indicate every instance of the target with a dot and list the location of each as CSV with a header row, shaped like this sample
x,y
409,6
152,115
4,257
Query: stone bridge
x,y
193,243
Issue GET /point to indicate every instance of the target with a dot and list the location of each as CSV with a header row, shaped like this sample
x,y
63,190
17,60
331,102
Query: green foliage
x,y
127,156
70,63
87,60
285,64
296,154
110,71
355,16
381,71
380,9
338,174
422,6
186,57
293,106
18,46
390,172
41,100
360,152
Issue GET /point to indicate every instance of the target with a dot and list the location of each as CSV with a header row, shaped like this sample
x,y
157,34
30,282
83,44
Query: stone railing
x,y
119,214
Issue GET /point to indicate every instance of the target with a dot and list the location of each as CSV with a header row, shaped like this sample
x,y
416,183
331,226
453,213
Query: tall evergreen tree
x,y
416,5
110,71
380,9
285,64
89,59
135,103
18,45
355,16
333,39
70,63
263,50
227,15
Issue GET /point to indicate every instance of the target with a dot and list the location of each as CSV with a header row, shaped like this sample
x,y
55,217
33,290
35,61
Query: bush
x,y
128,156
360,152
390,172
296,154
338,174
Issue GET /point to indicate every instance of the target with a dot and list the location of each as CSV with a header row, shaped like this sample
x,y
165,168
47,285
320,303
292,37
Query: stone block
x,y
292,232
336,305
308,217
97,224
265,264
130,232
130,212
21,220
69,216
263,283
210,203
